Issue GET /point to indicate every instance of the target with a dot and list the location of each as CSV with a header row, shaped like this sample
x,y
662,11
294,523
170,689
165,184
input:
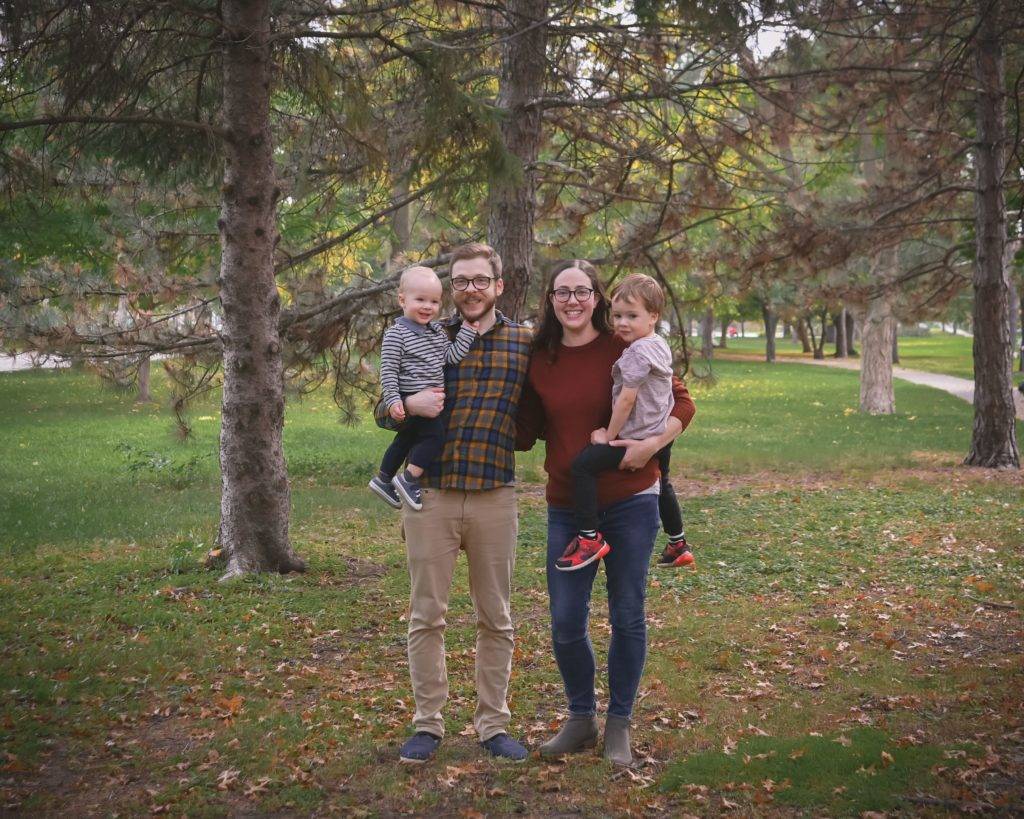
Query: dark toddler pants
x,y
419,439
597,458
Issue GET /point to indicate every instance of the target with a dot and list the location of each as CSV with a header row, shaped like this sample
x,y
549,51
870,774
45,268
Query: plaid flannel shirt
x,y
481,396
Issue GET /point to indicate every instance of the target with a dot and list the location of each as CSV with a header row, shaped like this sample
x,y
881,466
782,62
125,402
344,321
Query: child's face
x,y
421,299
632,320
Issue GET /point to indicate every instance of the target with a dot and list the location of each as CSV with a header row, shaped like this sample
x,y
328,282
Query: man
x,y
469,504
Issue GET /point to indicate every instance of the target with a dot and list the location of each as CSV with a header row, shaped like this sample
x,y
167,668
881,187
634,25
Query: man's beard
x,y
477,310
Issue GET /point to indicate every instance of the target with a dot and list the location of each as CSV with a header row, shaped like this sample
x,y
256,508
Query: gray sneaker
x,y
408,491
385,491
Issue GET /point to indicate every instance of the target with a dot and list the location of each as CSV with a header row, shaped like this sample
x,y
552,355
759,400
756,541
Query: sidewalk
x,y
962,388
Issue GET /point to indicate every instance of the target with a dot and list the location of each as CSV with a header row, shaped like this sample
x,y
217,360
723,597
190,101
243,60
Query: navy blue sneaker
x,y
408,490
385,491
419,748
503,747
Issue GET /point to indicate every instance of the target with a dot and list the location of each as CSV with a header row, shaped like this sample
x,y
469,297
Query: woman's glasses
x,y
479,282
582,294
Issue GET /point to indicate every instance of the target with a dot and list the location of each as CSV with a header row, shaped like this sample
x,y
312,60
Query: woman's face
x,y
573,314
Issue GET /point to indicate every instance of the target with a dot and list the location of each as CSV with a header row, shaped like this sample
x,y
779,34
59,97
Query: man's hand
x,y
427,403
397,411
638,453
599,436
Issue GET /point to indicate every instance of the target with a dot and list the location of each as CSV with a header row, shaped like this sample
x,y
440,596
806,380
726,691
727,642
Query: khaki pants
x,y
485,524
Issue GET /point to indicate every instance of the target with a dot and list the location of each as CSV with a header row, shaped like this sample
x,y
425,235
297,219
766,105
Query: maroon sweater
x,y
565,400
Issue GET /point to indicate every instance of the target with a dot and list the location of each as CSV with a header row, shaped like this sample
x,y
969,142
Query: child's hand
x,y
474,324
397,411
599,436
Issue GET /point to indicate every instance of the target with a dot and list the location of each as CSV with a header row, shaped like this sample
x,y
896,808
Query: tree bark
x,y
803,334
255,493
144,367
851,333
819,347
994,436
512,203
707,333
725,333
771,322
877,330
896,343
841,348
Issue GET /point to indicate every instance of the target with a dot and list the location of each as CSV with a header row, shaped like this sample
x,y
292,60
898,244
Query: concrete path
x,y
962,388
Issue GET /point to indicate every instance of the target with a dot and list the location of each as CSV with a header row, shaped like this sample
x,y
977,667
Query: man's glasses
x,y
582,294
479,282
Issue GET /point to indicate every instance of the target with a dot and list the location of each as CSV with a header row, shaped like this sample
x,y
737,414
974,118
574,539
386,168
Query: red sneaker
x,y
582,551
676,554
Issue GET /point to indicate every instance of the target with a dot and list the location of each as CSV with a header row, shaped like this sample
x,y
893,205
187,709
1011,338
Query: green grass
x,y
836,595
934,353
69,478
864,770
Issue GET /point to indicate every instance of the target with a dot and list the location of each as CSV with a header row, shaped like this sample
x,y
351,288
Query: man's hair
x,y
641,288
478,250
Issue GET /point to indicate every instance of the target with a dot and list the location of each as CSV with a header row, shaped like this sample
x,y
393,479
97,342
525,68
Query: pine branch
x,y
163,122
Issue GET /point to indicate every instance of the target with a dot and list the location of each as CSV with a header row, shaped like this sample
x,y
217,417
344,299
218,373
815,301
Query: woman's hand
x,y
427,403
397,411
638,453
599,436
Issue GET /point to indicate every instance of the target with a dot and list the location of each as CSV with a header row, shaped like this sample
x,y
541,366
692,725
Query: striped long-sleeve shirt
x,y
412,356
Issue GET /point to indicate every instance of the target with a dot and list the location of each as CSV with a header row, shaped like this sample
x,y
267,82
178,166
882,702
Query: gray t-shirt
x,y
645,365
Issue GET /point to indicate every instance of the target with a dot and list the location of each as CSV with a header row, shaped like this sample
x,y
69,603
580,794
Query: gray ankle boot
x,y
578,734
616,740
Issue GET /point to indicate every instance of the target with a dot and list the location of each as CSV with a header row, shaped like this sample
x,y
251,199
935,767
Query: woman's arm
x,y
529,418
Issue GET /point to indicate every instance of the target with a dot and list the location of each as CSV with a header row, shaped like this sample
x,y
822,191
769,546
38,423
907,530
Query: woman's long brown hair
x,y
548,337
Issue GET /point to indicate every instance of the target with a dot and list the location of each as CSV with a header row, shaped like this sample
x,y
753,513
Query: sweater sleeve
x,y
529,418
457,349
391,350
684,409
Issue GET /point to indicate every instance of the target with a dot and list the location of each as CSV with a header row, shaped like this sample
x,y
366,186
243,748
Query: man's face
x,y
474,304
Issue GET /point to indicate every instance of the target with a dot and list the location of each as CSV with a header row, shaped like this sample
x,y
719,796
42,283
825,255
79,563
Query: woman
x,y
567,396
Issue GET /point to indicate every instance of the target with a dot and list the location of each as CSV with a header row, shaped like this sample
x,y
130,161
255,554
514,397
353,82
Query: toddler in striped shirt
x,y
412,358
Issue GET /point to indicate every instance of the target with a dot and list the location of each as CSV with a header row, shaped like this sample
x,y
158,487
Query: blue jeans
x,y
630,526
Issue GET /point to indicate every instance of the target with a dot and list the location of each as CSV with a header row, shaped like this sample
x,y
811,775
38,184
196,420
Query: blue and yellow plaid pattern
x,y
481,396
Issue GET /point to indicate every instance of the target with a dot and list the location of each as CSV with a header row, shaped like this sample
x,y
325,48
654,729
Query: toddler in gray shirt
x,y
641,402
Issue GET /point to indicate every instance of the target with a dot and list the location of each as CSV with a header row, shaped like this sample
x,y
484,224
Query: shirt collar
x,y
416,327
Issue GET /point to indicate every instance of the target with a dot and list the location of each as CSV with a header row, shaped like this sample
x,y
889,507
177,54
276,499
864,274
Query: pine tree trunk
x,y
144,368
803,334
879,325
841,349
851,333
513,202
707,333
819,348
994,437
770,323
255,493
